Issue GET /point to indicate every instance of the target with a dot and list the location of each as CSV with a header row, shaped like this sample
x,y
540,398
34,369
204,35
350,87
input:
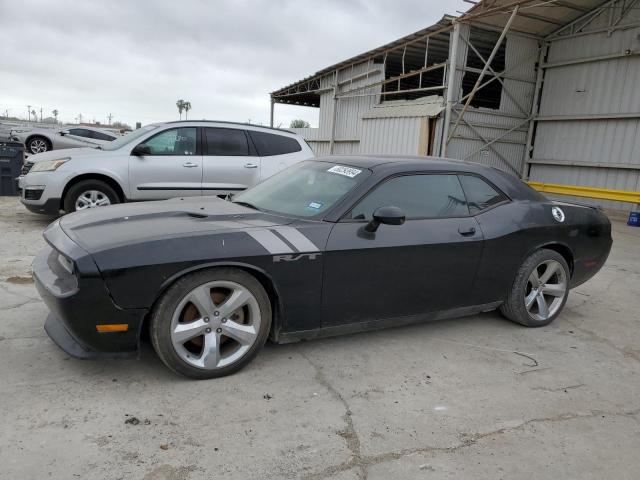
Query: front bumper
x,y
80,301
40,192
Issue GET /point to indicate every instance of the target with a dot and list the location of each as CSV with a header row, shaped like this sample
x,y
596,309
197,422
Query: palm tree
x,y
55,114
180,105
187,107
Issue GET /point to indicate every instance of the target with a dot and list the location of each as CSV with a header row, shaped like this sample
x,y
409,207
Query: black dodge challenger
x,y
329,246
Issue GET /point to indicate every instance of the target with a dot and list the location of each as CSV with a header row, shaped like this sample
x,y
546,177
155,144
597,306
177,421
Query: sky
x,y
135,59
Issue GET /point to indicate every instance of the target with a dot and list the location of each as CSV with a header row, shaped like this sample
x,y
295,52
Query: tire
x,y
96,192
524,303
38,144
202,338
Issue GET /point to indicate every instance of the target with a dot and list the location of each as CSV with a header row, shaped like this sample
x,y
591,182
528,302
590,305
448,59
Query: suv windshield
x,y
128,138
306,189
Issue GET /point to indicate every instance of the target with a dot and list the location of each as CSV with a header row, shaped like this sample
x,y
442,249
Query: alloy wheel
x,y
215,324
92,199
37,146
545,291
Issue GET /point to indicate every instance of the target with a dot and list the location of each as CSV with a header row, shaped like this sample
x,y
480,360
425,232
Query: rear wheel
x,y
539,291
38,145
89,194
211,323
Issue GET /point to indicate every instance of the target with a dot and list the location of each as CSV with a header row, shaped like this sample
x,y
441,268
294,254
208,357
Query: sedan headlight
x,y
66,263
49,165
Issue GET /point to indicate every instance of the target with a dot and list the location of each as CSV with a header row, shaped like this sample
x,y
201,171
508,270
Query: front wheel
x,y
539,291
38,145
89,194
211,323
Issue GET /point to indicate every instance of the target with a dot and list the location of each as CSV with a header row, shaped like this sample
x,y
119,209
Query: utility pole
x,y
40,114
79,118
110,116
29,112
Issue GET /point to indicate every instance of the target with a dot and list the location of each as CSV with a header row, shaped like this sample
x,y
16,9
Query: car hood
x,y
71,153
105,228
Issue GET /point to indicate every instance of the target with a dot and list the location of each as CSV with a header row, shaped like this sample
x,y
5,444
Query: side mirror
x,y
64,132
141,150
385,215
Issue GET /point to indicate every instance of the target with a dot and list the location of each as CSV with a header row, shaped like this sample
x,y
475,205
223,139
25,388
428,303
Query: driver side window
x,y
418,196
176,141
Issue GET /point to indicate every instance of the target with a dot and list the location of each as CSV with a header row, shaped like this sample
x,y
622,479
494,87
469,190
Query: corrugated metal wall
x,y
469,142
591,152
390,135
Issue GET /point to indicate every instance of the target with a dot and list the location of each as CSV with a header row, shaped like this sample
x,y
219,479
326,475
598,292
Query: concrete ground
x,y
471,398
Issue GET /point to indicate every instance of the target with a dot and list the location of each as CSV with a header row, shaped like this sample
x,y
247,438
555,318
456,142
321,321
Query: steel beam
x,y
535,107
451,78
484,70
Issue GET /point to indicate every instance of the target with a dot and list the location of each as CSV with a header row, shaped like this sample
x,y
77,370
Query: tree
x,y
35,115
299,123
187,107
180,105
55,114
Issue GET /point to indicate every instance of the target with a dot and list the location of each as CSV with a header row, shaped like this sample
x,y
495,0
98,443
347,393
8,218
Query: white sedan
x,y
39,140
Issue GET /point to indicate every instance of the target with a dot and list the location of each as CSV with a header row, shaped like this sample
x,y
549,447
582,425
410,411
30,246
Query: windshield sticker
x,y
315,205
346,171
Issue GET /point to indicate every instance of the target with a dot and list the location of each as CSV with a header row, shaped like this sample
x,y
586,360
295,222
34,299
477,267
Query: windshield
x,y
306,189
128,138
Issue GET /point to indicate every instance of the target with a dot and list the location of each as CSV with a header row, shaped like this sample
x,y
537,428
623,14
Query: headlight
x,y
49,165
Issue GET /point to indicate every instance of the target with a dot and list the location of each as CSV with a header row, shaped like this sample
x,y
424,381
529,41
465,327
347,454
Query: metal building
x,y
545,89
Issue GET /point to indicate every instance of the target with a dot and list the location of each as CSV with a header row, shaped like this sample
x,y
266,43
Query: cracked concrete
x,y
468,398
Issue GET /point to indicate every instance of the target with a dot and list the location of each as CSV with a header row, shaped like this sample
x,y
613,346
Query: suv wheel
x,y
89,194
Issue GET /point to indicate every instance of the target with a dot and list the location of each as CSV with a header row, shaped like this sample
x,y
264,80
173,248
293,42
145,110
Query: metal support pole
x,y
451,73
484,71
273,103
534,111
332,140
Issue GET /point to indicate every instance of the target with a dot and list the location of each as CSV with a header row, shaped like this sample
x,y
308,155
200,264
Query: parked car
x,y
39,140
157,162
328,246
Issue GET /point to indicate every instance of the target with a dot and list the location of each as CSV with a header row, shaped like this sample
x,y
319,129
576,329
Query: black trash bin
x,y
11,160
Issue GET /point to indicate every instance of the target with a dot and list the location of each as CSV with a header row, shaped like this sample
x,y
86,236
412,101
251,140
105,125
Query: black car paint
x,y
127,255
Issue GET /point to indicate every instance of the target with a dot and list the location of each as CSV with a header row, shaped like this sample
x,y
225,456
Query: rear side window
x,y
80,132
480,195
101,136
418,196
226,142
269,144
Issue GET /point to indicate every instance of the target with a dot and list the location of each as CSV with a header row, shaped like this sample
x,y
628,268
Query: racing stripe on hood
x,y
296,238
270,241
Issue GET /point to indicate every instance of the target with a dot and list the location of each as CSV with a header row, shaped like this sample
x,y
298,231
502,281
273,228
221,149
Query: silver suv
x,y
159,161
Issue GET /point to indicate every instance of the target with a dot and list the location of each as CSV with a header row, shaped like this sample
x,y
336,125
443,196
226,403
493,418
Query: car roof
x,y
226,122
385,165
410,162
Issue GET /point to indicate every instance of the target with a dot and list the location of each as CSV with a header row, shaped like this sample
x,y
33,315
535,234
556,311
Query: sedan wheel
x,y
546,290
38,145
211,323
215,324
89,194
539,291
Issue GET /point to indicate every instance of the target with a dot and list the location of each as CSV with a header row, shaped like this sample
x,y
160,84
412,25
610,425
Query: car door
x,y
276,151
230,163
173,168
427,264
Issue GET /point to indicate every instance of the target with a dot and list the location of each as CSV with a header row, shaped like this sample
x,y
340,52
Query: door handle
x,y
250,165
466,232
189,165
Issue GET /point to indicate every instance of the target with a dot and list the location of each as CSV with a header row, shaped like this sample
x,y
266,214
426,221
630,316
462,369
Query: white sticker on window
x,y
346,171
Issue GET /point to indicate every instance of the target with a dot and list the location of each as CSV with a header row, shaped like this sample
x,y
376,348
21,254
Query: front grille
x,y
32,194
26,167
